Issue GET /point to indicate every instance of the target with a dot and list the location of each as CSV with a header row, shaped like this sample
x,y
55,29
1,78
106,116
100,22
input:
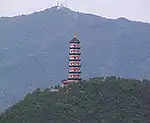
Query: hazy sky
x,y
131,9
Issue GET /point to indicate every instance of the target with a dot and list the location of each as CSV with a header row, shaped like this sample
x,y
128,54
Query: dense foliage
x,y
98,100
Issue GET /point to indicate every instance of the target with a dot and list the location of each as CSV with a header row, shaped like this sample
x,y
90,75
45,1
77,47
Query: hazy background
x,y
131,9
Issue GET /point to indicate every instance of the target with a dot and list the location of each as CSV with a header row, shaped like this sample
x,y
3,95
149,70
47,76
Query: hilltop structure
x,y
74,73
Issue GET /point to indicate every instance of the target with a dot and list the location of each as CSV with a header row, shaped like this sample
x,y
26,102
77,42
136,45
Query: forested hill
x,y
98,100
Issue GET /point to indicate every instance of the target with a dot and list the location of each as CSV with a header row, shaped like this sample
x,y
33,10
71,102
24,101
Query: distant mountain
x,y
109,100
34,49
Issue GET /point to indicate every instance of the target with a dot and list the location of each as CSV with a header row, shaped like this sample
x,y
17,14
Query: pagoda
x,y
74,73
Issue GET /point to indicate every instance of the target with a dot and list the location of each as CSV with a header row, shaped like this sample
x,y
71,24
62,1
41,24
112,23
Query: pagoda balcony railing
x,y
74,53
75,59
72,72
74,47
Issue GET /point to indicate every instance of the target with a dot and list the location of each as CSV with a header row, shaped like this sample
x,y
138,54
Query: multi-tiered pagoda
x,y
74,73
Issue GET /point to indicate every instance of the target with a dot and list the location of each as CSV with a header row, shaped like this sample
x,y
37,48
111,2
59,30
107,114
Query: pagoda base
x,y
66,82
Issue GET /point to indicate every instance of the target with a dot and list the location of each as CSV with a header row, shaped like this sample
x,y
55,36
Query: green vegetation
x,y
98,100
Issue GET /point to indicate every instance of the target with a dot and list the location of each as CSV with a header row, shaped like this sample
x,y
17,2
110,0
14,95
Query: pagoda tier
x,y
75,52
74,64
74,69
66,82
74,46
74,75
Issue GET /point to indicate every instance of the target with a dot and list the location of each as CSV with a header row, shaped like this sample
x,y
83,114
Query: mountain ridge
x,y
55,8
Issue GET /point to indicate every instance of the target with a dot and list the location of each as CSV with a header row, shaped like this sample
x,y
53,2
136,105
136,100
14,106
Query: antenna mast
x,y
66,3
57,3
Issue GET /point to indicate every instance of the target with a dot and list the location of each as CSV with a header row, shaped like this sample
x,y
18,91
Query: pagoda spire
x,y
75,35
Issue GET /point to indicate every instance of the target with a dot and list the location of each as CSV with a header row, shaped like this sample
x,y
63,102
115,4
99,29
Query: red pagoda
x,y
74,73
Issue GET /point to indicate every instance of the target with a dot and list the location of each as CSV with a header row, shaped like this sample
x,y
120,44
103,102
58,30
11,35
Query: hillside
x,y
112,100
34,49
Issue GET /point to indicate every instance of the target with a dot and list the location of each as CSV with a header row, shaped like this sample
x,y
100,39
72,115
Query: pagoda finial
x,y
75,35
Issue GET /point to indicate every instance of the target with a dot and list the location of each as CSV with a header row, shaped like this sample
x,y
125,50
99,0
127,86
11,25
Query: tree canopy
x,y
98,100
